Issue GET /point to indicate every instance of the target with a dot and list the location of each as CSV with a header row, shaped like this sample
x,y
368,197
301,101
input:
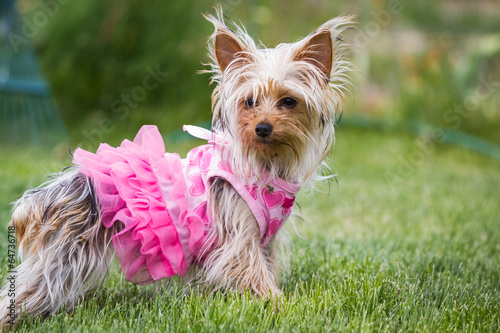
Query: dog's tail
x,y
63,246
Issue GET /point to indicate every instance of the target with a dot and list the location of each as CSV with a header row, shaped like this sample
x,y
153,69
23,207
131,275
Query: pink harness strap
x,y
271,201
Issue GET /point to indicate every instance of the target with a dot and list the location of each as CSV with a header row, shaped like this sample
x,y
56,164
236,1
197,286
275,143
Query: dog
x,y
218,211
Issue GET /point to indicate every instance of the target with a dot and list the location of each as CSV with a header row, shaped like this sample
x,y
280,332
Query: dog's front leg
x,y
239,261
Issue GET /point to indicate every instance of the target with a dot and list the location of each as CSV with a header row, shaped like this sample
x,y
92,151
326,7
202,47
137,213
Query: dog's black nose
x,y
263,129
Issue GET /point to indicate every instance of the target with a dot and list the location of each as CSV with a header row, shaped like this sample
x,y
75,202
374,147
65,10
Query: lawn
x,y
408,239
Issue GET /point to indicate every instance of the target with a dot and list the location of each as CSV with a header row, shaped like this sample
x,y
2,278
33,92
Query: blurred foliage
x,y
432,61
97,52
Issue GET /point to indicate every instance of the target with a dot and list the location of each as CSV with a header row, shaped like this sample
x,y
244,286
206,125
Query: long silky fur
x,y
64,248
238,261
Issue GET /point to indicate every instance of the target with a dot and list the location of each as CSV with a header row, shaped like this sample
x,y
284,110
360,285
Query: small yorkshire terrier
x,y
218,210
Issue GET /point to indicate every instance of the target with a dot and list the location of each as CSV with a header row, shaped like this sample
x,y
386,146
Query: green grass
x,y
417,252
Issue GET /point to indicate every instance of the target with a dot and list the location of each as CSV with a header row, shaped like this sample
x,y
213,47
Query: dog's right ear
x,y
226,45
227,48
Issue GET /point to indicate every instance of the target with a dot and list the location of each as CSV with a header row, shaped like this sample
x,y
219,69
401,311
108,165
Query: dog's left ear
x,y
318,51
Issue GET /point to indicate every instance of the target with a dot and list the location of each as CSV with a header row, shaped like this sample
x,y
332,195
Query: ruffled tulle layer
x,y
131,189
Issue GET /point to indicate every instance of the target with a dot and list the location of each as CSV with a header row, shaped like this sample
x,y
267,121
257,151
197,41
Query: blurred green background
x,y
431,61
407,241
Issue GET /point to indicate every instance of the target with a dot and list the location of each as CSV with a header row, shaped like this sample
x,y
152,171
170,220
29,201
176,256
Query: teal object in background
x,y
28,112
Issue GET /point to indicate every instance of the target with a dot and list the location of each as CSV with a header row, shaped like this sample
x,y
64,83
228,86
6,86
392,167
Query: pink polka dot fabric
x,y
160,201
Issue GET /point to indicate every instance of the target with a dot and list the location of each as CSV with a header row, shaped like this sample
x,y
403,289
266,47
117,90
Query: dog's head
x,y
278,106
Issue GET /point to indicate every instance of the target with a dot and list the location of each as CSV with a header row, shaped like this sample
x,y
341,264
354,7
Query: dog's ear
x,y
227,48
225,45
318,51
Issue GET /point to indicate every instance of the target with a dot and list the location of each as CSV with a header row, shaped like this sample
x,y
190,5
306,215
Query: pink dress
x,y
160,201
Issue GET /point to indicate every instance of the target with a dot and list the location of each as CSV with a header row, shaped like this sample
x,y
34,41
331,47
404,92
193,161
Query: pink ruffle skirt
x,y
131,181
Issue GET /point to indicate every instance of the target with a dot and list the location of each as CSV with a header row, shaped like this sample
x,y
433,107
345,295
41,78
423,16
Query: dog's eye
x,y
249,103
289,102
